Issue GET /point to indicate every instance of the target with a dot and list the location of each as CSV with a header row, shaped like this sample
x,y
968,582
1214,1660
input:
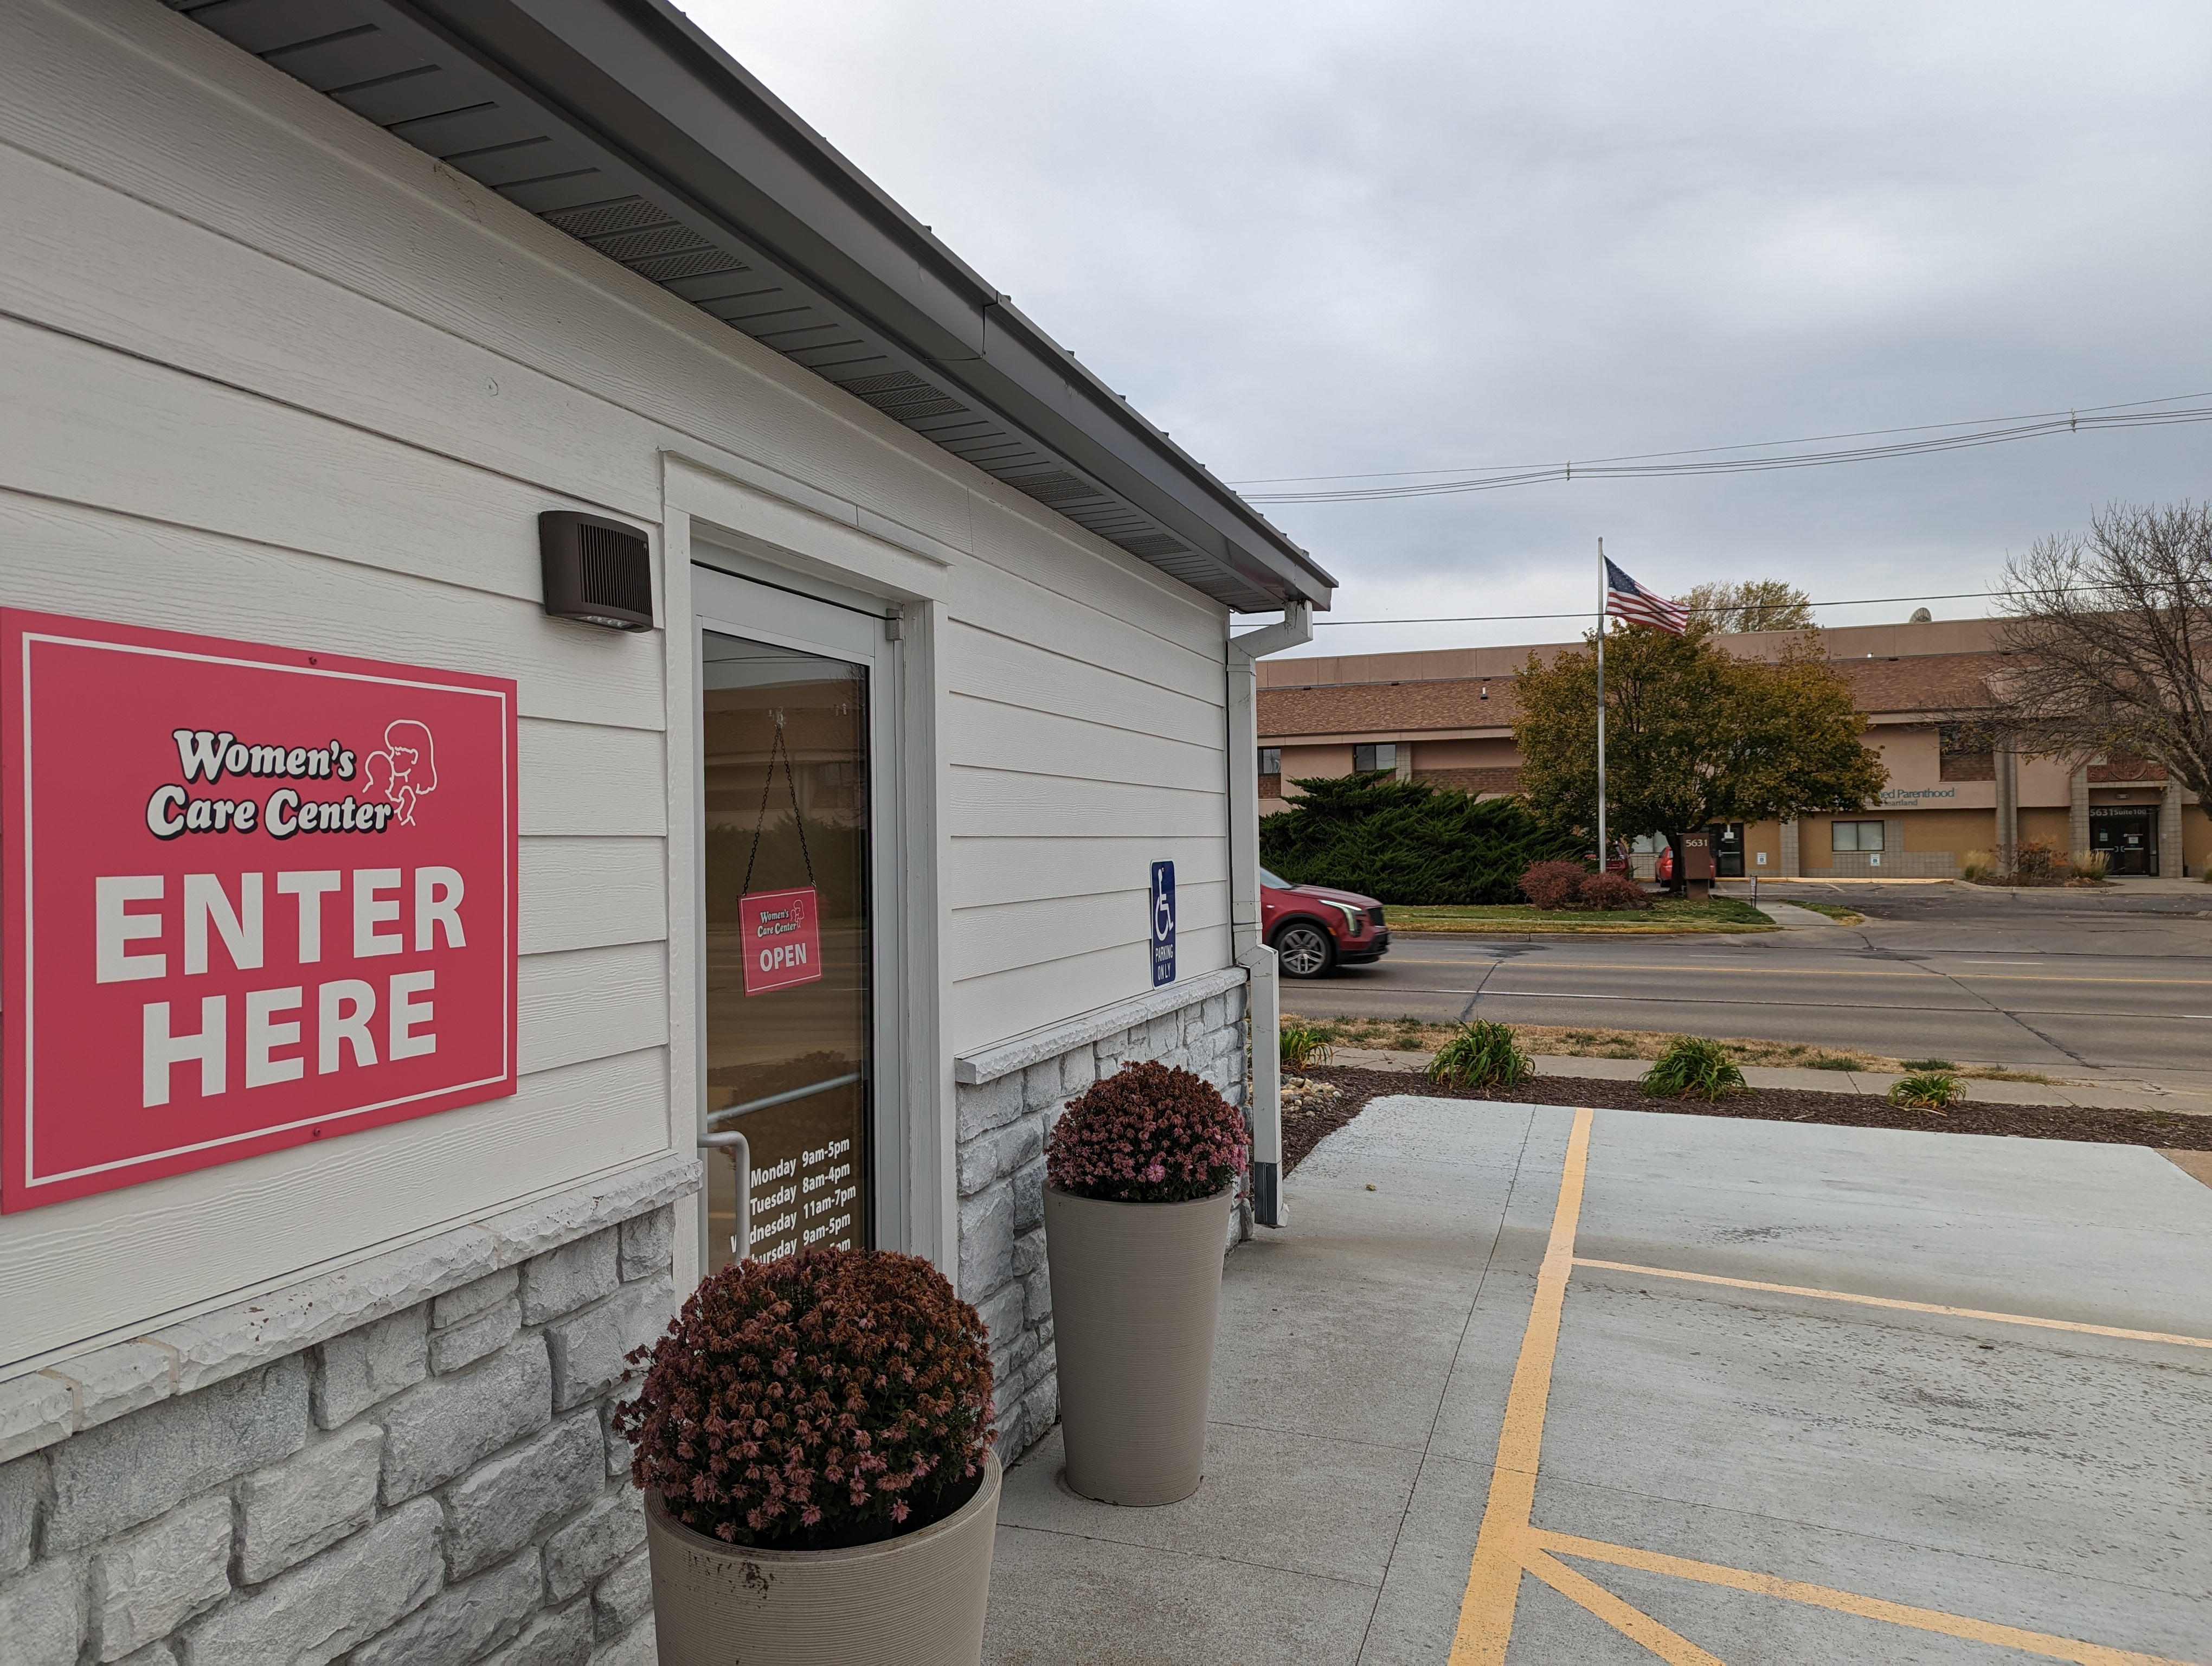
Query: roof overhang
x,y
619,123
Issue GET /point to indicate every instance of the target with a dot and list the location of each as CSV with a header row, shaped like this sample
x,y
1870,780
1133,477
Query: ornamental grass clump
x,y
1481,1055
1147,1135
1930,1089
1692,1067
838,1397
1303,1044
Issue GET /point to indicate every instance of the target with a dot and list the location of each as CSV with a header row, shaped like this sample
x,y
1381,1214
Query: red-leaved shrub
x,y
1147,1135
1613,891
838,1397
1554,884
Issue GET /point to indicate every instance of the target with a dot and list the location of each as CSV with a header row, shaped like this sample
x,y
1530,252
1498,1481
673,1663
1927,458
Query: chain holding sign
x,y
781,930
253,897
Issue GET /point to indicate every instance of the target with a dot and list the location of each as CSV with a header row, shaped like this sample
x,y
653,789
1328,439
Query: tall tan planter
x,y
917,1600
1136,1289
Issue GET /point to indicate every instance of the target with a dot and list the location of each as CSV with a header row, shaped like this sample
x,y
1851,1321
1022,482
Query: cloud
x,y
1315,240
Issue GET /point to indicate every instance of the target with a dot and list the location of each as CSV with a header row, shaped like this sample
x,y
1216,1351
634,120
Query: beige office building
x,y
1446,716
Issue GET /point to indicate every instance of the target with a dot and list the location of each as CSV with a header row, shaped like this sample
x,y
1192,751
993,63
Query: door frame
x,y
717,527
728,604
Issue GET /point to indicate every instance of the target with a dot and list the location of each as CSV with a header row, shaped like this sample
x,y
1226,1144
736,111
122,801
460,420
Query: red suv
x,y
1312,928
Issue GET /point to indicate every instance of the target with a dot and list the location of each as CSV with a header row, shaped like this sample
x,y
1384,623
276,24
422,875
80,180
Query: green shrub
x,y
1481,1055
1929,1090
1692,1067
1407,842
1303,1044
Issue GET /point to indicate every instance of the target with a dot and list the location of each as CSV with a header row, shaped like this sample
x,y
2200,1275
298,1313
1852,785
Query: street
x,y
2115,980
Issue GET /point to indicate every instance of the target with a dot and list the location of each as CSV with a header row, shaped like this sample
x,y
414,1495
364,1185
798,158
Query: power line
x,y
1639,465
1717,607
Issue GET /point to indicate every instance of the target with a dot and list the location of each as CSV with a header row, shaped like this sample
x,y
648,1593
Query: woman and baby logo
x,y
406,770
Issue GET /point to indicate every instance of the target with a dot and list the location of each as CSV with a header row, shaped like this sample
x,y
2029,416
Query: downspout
x,y
1263,1000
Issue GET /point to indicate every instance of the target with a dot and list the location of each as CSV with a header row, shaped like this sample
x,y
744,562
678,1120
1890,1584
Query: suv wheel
x,y
1304,949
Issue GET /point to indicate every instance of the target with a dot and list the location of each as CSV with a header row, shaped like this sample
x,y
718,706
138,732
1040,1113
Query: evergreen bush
x,y
1407,842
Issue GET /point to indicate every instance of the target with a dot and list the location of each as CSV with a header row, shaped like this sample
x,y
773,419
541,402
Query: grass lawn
x,y
1410,1035
1835,911
1718,914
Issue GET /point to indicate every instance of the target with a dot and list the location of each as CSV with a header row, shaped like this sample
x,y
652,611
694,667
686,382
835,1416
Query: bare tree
x,y
2111,642
1752,605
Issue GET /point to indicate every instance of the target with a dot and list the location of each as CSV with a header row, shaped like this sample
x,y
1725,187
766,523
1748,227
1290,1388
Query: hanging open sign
x,y
782,934
254,897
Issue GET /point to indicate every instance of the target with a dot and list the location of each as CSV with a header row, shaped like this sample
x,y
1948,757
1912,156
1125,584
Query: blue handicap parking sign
x,y
1163,923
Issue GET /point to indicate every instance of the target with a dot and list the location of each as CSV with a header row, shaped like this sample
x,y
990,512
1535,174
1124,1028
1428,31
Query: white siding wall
x,y
269,373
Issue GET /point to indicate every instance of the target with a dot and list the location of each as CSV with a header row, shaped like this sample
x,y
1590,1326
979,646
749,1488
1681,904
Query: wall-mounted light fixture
x,y
596,571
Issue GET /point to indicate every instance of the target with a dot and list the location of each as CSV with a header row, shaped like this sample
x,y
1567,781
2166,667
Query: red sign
x,y
782,934
253,897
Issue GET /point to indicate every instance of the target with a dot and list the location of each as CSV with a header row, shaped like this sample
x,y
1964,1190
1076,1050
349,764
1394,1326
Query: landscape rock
x,y
568,1277
563,1637
40,1625
466,1343
145,1585
624,1598
20,1482
356,1370
439,1428
460,1622
291,1510
113,1477
471,1299
583,1551
334,1602
648,1244
509,1501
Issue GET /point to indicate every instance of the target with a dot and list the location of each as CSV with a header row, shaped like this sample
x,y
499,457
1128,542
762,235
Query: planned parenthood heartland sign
x,y
253,897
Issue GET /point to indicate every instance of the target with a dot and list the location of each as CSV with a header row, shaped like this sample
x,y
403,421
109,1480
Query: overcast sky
x,y
1314,240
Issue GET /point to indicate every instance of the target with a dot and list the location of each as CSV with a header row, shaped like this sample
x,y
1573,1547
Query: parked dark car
x,y
1313,928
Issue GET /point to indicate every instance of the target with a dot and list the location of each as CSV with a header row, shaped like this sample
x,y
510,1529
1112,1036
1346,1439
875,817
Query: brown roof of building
x,y
1919,686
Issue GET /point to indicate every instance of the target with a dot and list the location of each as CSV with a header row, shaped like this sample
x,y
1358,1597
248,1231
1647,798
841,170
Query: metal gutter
x,y
621,123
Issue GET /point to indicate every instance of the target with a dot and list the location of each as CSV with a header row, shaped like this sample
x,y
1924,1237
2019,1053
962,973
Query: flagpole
x,y
1602,851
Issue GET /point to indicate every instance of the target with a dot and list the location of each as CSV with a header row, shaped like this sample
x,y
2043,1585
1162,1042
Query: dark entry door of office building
x,y
2128,838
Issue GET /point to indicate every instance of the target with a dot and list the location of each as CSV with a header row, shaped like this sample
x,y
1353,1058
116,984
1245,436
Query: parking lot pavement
x,y
1521,1386
2057,981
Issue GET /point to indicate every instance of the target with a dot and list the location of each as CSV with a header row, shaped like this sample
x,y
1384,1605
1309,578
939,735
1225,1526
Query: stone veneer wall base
x,y
404,1462
1009,1097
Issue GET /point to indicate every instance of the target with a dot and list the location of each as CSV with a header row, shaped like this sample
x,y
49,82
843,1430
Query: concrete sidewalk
x,y
2181,1099
1766,1393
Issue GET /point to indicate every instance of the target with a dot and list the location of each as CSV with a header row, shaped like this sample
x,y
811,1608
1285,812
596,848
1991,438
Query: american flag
x,y
1627,600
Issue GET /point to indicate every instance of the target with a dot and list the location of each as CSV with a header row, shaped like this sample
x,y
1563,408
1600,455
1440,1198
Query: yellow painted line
x,y
1493,1581
1921,975
1844,1602
1858,1300
1630,1621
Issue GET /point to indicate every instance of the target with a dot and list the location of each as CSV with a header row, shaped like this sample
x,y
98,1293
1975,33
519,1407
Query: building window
x,y
1271,760
1382,755
1855,835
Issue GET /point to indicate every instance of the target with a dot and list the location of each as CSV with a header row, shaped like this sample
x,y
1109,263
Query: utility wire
x,y
1717,607
1636,467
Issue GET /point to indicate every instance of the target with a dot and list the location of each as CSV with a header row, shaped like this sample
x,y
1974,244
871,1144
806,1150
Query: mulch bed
x,y
1304,1127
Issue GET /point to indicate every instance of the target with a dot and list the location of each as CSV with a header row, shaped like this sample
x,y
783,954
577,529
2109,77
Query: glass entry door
x,y
788,943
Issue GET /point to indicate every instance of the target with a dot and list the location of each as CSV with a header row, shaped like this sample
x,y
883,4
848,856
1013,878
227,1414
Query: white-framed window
x,y
1855,835
1383,754
1271,760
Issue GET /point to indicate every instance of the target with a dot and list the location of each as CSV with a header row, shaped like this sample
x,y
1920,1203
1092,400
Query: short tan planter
x,y
1136,1288
917,1600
